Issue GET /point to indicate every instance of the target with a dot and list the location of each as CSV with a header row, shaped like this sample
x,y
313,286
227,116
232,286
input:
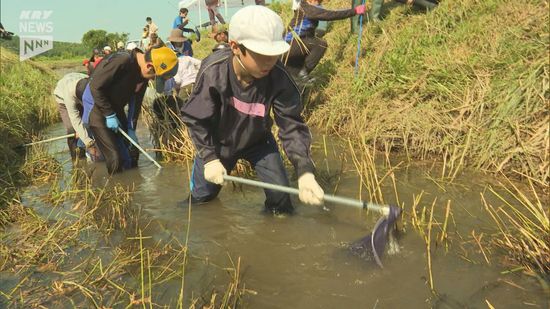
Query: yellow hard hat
x,y
164,61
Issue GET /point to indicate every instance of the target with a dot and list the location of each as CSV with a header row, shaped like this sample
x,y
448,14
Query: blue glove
x,y
132,134
112,122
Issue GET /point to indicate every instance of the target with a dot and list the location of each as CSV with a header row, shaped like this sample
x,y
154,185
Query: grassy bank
x,y
466,83
26,105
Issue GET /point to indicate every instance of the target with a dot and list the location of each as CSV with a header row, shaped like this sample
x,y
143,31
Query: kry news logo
x,y
35,33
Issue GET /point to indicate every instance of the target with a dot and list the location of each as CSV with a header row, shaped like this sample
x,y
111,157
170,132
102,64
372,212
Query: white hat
x,y
131,46
258,29
107,47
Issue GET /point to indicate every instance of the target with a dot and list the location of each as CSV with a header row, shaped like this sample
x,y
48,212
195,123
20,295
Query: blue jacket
x,y
306,19
177,21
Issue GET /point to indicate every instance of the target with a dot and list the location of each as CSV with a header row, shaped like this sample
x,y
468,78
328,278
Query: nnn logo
x,y
35,28
30,46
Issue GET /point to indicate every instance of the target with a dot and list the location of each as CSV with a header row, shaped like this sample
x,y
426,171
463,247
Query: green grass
x,y
60,50
467,82
54,63
203,48
26,105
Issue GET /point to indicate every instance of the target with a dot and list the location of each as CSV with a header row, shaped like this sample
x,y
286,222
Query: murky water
x,y
300,261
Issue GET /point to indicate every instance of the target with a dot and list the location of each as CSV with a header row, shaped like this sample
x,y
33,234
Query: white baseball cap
x,y
131,46
107,47
258,29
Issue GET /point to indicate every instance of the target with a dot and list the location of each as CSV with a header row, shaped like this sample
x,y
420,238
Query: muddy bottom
x,y
301,261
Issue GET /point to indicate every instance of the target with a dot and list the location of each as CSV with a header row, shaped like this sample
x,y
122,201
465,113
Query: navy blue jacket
x,y
225,119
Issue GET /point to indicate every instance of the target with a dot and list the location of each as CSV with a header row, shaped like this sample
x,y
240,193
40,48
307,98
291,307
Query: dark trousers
x,y
188,30
376,8
298,56
187,48
267,162
114,147
423,4
72,141
213,13
204,25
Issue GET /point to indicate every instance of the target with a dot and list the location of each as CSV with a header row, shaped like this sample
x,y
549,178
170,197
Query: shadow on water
x,y
302,261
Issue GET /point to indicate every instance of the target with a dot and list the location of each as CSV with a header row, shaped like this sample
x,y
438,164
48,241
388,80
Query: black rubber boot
x,y
196,201
425,4
198,34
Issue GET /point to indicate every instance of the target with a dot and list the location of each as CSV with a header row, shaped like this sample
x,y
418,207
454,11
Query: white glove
x,y
310,191
214,172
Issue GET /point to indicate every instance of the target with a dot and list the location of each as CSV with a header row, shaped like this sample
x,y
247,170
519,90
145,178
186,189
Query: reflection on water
x,y
300,261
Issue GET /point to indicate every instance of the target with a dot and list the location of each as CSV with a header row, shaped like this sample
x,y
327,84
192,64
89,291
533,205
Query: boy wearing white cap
x,y
229,113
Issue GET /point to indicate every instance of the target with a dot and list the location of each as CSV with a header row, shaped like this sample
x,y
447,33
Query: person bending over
x,y
68,95
120,81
